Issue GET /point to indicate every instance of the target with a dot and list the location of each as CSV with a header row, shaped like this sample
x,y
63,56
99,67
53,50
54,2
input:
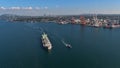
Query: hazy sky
x,y
58,7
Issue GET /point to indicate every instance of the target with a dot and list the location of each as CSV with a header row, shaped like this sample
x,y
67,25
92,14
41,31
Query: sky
x,y
59,7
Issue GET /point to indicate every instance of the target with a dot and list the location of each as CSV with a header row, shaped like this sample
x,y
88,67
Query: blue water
x,y
21,47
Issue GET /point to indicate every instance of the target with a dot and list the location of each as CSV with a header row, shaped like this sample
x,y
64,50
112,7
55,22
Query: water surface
x,y
21,47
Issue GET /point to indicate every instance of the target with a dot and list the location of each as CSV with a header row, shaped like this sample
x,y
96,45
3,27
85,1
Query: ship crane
x,y
96,22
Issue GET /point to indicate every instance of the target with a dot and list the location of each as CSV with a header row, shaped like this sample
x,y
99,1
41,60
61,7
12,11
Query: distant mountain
x,y
8,17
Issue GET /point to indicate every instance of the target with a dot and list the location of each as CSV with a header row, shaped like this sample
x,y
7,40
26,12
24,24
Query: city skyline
x,y
59,7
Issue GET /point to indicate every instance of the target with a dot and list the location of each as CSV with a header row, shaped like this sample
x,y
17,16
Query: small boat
x,y
67,45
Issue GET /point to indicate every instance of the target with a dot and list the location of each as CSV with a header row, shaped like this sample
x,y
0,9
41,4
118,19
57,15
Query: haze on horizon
x,y
59,7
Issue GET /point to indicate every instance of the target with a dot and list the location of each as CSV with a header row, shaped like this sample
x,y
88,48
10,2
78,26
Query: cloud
x,y
37,8
57,6
46,7
27,8
15,8
3,8
30,8
21,8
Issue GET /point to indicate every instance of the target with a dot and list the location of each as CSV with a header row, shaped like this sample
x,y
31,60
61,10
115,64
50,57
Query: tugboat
x,y
67,45
46,42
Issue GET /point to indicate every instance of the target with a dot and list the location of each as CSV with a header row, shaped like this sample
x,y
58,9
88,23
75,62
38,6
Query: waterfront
x,y
20,46
106,21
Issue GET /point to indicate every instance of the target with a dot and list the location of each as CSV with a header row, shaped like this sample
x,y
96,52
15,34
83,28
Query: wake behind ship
x,y
46,42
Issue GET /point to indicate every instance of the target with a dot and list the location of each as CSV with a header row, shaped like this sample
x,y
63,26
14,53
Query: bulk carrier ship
x,y
46,42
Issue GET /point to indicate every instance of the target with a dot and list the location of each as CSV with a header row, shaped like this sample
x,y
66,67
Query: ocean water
x,y
21,47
